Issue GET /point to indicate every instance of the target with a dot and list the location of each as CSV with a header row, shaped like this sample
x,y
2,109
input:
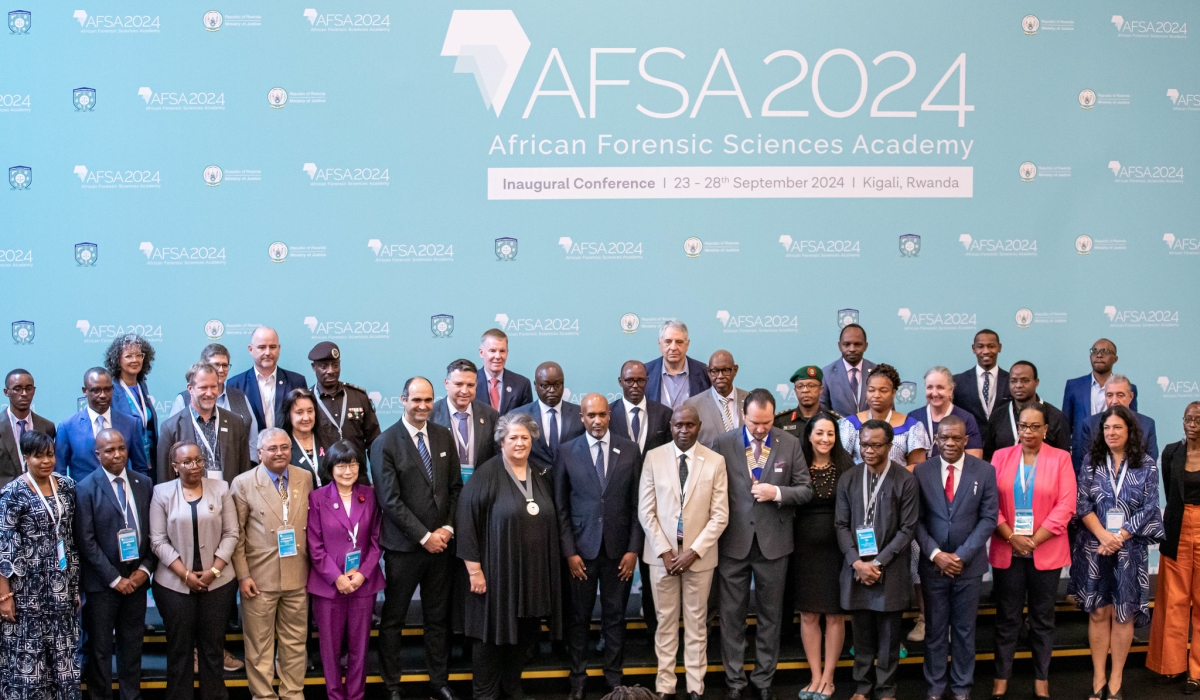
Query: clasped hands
x,y
676,565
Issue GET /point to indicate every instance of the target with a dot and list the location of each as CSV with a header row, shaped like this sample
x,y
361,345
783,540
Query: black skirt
x,y
820,559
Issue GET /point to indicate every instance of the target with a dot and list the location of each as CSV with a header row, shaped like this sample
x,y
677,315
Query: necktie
x,y
600,462
124,501
683,475
552,438
22,426
757,451
725,416
425,458
854,384
950,483
636,425
494,393
99,424
987,391
463,450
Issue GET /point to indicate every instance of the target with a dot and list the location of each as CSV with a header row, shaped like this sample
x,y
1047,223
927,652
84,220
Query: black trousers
x,y
103,613
614,596
497,667
195,621
648,612
1011,587
876,652
405,571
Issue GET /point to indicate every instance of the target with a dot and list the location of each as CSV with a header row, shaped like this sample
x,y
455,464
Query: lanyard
x,y
328,415
315,457
57,503
135,395
1026,481
527,489
354,534
1116,485
869,505
212,455
929,421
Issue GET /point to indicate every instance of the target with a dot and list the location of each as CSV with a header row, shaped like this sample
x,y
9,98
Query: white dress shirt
x,y
1098,402
945,472
133,518
643,414
92,416
266,389
466,453
993,389
862,377
423,431
603,442
558,417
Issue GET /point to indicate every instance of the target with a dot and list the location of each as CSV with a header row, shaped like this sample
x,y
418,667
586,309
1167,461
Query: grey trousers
x,y
770,575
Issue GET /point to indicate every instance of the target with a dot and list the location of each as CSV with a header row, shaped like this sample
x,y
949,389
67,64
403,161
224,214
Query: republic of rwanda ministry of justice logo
x,y
506,249
20,177
84,99
692,247
1030,24
277,251
1028,171
1087,98
1024,317
1083,244
277,97
213,20
214,329
22,332
490,45
846,317
86,254
442,325
19,21
213,175
630,323
910,245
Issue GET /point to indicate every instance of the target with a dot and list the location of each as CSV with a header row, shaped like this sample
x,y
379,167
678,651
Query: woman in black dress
x,y
508,538
817,587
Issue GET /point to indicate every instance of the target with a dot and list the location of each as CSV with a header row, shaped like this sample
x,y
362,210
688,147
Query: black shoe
x,y
666,696
733,694
693,696
765,694
395,695
1099,694
443,693
576,694
1191,687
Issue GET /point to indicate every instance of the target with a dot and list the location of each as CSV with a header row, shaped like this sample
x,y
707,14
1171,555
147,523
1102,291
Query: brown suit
x,y
281,606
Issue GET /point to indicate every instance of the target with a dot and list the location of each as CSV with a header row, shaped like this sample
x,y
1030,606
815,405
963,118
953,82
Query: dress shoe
x,y
733,694
693,695
917,634
765,694
666,696
395,695
443,693
232,663
576,694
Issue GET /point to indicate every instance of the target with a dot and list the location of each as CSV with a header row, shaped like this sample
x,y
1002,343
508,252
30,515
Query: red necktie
x,y
950,483
494,394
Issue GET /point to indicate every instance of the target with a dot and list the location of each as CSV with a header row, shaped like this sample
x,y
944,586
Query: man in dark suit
x,y
673,377
768,478
558,419
874,534
1085,396
18,419
596,490
75,440
844,389
504,390
473,423
221,435
112,531
959,509
1118,390
266,384
1001,430
414,465
983,387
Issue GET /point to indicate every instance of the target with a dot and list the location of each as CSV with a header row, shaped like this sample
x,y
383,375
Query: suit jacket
x,y
329,529
239,404
98,518
835,389
1083,438
655,425
570,426
412,506
966,394
712,423
515,391
285,382
120,402
483,430
260,517
171,531
896,513
1077,402
1054,495
1174,463
705,507
697,379
75,446
10,451
962,527
772,521
1000,432
590,513
232,443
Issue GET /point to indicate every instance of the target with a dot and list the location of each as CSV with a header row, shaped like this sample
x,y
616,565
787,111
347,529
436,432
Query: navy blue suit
x,y
285,382
515,391
120,402
1081,439
570,426
698,381
1077,403
961,527
75,446
598,521
99,516
656,426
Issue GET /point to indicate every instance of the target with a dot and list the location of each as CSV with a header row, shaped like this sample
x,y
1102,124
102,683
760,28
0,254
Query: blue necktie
x,y
987,389
23,427
463,449
600,463
425,458
552,438
636,424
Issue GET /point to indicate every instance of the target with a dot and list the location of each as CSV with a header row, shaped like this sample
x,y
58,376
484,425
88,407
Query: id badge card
x,y
866,542
287,542
62,555
128,544
466,473
1114,520
353,559
1023,522
216,474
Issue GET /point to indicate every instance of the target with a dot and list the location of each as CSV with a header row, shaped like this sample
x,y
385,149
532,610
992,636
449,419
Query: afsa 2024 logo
x,y
347,21
106,332
346,177
527,326
347,330
411,252
105,179
1181,245
182,255
828,248
1141,318
117,24
1179,388
1149,28
1146,174
1183,101
937,321
600,250
756,323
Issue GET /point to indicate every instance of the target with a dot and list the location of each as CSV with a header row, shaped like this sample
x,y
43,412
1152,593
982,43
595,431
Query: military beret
x,y
324,351
808,372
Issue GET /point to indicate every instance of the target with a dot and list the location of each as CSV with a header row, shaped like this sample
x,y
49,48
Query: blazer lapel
x,y
8,440
415,454
347,518
267,491
697,469
111,496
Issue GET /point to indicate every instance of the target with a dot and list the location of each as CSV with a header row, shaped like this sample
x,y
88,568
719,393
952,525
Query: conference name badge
x,y
62,556
353,559
1114,520
466,473
866,542
1023,522
127,542
287,542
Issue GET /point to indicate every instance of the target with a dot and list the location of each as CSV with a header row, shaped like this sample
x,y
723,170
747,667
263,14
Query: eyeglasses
x,y
1029,427
221,365
276,449
721,371
873,446
635,381
1192,420
194,462
1100,352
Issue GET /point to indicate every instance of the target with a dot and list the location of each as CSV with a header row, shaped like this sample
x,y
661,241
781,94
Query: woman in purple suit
x,y
343,543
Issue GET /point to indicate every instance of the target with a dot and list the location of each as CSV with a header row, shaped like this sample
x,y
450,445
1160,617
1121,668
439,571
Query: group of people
x,y
512,509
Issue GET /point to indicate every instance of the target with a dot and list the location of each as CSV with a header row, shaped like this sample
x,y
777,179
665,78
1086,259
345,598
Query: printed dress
x,y
909,436
38,659
1122,579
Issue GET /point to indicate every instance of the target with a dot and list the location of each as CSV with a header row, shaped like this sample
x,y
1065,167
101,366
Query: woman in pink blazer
x,y
343,544
1030,545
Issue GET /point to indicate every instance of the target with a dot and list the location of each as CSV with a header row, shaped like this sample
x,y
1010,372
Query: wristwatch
x,y
215,572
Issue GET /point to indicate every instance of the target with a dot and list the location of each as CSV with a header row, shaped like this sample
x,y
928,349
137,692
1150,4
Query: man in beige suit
x,y
681,544
271,561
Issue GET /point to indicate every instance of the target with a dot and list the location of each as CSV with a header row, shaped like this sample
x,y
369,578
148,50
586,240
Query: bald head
x,y
721,371
111,450
685,427
264,348
593,410
548,382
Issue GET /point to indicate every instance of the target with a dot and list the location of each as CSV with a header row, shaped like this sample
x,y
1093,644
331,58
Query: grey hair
x,y
508,420
264,435
672,324
938,369
1119,379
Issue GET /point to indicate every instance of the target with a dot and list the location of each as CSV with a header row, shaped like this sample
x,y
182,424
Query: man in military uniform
x,y
343,410
807,383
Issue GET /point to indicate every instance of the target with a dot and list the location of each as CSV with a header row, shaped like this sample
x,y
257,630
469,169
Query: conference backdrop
x,y
399,177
